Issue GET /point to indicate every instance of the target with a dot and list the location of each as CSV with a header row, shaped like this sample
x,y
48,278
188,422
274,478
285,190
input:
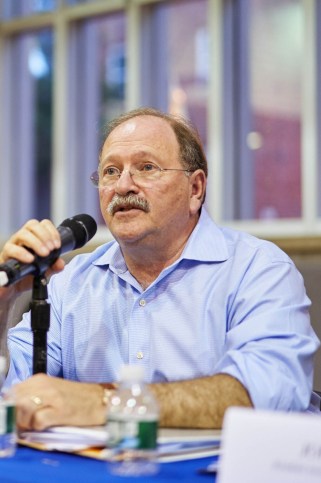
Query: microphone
x,y
74,232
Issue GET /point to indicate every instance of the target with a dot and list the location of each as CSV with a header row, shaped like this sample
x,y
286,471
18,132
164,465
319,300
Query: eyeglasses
x,y
143,175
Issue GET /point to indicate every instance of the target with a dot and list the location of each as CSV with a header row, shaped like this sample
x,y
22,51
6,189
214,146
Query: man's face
x,y
167,206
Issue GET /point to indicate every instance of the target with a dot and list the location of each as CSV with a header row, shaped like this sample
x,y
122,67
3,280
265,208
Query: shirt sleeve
x,y
270,342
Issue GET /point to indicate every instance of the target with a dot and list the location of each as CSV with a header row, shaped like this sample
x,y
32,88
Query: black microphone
x,y
74,232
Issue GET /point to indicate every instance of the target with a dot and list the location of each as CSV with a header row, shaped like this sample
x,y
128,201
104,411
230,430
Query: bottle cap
x,y
131,373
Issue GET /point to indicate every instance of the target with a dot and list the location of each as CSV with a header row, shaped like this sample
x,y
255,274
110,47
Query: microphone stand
x,y
40,322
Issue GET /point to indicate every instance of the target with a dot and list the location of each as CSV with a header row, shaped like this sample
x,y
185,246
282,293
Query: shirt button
x,y
142,303
139,355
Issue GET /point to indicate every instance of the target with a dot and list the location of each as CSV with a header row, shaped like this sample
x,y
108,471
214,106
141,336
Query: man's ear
x,y
197,190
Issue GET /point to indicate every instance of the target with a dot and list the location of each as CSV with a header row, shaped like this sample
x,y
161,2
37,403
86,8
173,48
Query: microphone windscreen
x,y
83,226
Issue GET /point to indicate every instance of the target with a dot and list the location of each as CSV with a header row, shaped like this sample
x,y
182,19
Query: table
x,y
33,466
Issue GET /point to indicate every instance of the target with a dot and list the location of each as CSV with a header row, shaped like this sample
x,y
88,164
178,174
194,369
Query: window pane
x,y
27,121
19,8
175,59
263,165
96,95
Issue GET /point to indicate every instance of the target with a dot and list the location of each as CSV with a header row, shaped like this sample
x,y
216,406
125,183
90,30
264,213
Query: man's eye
x,y
148,167
110,171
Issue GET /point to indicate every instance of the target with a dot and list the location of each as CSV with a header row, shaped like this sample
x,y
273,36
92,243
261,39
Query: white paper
x,y
68,438
270,447
173,444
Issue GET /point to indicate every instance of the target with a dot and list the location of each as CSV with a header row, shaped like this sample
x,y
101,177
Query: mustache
x,y
129,201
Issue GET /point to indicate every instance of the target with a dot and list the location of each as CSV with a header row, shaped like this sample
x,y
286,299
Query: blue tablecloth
x,y
33,466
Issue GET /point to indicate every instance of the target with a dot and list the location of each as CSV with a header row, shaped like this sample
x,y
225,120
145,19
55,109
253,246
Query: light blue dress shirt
x,y
231,303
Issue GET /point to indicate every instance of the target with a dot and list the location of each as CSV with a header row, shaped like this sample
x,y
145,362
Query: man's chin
x,y
125,229
127,239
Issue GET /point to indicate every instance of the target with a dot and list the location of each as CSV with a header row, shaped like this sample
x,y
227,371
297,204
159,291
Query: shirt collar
x,y
207,242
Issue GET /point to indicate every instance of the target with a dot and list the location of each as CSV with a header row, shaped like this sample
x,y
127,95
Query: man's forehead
x,y
145,125
127,127
149,133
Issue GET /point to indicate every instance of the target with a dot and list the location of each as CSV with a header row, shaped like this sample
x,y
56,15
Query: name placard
x,y
270,447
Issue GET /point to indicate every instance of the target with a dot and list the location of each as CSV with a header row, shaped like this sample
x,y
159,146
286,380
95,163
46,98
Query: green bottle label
x,y
147,434
7,418
132,434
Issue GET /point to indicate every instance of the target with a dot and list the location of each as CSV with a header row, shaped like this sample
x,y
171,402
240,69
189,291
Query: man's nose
x,y
125,183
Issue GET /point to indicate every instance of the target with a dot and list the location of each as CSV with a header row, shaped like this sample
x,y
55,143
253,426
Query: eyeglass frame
x,y
94,177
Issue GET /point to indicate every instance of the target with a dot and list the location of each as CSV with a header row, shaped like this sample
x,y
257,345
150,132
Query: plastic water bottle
x,y
132,423
8,435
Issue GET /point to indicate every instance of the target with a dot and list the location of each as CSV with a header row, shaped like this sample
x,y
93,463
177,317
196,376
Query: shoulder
x,y
242,243
227,244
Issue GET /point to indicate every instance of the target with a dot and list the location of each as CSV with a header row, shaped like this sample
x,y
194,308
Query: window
x,y
96,94
264,109
246,72
175,55
27,128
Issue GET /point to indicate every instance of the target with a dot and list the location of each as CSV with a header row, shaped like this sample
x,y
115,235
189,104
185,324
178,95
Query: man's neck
x,y
146,261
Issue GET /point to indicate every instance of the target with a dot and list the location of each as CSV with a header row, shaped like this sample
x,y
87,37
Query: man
x,y
216,317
